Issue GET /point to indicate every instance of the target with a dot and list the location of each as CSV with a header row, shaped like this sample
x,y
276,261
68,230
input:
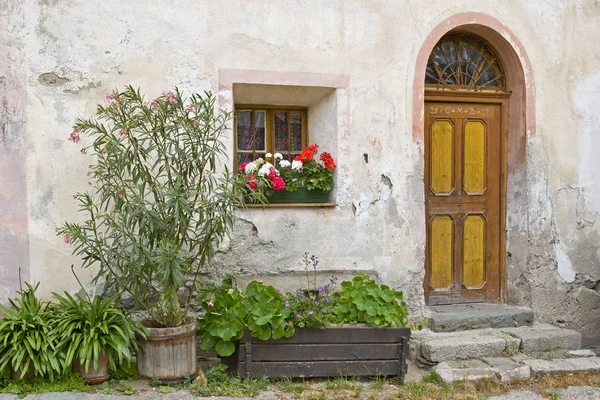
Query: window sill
x,y
290,205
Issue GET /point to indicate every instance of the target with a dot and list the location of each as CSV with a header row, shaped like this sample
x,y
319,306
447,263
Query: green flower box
x,y
300,195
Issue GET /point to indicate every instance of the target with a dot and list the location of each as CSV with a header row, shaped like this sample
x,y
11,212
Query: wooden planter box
x,y
329,352
300,195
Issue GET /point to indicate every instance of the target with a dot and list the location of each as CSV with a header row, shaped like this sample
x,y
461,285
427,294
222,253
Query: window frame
x,y
269,129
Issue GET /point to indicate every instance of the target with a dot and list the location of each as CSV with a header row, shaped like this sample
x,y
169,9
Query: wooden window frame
x,y
269,128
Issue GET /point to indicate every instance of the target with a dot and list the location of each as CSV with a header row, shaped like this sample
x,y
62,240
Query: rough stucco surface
x,y
63,56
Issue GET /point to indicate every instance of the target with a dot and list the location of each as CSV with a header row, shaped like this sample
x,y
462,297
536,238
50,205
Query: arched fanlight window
x,y
461,61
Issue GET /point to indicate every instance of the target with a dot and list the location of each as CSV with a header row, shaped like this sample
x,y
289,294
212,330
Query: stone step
x,y
545,338
429,348
563,366
508,369
461,317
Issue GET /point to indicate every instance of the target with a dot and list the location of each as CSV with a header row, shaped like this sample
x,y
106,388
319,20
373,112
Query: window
x,y
262,130
462,61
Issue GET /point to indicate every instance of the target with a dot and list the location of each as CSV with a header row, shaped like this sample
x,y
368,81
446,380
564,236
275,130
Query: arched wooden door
x,y
465,127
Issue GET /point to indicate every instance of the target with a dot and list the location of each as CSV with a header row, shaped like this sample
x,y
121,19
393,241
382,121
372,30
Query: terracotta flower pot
x,y
91,376
15,375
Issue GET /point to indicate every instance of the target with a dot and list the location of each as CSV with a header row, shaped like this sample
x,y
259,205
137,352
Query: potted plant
x,y
156,213
27,346
355,331
303,180
94,333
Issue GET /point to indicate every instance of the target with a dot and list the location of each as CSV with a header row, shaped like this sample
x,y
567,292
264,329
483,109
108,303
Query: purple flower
x,y
287,303
320,289
332,280
298,315
310,312
298,295
324,310
278,291
316,303
286,324
327,299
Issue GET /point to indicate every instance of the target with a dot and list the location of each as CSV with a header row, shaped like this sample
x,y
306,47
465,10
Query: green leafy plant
x,y
362,300
260,310
86,328
26,339
158,207
126,388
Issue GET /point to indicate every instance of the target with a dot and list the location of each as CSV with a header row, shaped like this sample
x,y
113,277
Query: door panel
x,y
462,177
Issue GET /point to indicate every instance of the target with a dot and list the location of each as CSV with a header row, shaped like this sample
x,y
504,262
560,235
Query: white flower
x,y
284,163
265,169
268,155
278,156
297,165
250,167
259,161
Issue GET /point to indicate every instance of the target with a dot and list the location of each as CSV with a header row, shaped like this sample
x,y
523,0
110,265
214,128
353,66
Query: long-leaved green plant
x,y
85,328
159,206
26,338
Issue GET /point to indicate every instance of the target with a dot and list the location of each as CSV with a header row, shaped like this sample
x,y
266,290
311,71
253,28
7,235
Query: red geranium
x,y
253,185
328,161
278,184
308,153
272,173
243,166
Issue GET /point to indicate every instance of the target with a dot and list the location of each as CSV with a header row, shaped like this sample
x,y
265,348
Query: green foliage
x,y
126,388
260,310
69,382
126,370
86,328
362,300
222,384
158,208
26,336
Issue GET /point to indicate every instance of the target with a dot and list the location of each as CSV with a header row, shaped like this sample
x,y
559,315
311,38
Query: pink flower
x,y
253,185
310,312
278,184
190,109
74,137
243,166
298,315
316,303
154,104
123,134
272,174
210,304
170,98
68,239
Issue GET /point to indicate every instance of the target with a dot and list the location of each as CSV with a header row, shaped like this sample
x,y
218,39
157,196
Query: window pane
x,y
244,124
259,130
243,158
281,131
296,125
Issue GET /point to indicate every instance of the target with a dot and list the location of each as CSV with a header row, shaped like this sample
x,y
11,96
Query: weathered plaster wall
x,y
63,56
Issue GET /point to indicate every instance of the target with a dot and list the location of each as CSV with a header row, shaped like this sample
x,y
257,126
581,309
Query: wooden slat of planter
x,y
322,352
342,335
323,368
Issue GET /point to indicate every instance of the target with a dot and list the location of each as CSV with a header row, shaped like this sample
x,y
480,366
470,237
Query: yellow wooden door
x,y
462,195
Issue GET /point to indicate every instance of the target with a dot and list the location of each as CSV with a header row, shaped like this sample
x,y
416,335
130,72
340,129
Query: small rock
x,y
201,378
